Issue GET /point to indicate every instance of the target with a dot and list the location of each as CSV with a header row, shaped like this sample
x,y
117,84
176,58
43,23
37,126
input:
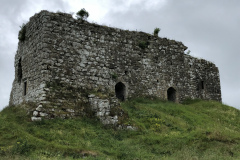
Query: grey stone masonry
x,y
65,64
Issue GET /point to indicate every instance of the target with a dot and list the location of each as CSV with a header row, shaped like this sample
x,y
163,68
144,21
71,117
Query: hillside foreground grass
x,y
193,130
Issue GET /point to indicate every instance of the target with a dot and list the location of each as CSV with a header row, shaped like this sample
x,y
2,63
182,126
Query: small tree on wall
x,y
156,31
82,14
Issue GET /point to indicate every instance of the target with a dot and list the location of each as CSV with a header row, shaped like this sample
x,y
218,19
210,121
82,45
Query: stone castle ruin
x,y
71,67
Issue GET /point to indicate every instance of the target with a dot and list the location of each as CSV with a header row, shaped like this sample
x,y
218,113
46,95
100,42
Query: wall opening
x,y
120,91
25,88
171,94
19,70
202,84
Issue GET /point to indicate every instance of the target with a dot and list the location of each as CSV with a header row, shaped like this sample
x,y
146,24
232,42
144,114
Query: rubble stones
x,y
102,109
39,108
35,113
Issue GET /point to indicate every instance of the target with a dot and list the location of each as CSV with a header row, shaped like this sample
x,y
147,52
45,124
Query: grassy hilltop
x,y
194,130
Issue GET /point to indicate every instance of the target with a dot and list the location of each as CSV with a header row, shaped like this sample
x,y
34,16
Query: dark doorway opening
x,y
25,89
20,70
171,94
120,90
202,84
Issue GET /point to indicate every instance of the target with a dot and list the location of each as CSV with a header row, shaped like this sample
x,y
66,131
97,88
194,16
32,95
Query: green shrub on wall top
x,y
22,32
82,14
156,31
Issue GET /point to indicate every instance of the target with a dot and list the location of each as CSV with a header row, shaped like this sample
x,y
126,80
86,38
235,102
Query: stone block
x,y
42,114
36,119
70,110
39,108
35,113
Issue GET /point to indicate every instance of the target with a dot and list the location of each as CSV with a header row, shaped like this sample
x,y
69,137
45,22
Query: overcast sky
x,y
209,28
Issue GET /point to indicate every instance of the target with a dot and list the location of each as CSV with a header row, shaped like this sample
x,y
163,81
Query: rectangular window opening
x,y
25,89
202,84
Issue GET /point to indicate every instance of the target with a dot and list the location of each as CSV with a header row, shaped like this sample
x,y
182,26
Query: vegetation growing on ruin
x,y
193,130
22,32
156,31
82,14
114,75
143,44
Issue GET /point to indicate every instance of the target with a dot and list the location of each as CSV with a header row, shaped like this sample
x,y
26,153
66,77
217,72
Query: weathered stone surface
x,y
36,118
69,70
102,109
70,110
39,108
35,113
42,114
131,128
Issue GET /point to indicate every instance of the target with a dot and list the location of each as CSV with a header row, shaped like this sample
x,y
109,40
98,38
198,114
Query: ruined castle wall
x,y
95,57
204,79
78,56
29,78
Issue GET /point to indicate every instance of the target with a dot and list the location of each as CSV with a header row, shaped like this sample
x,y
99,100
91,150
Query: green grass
x,y
193,130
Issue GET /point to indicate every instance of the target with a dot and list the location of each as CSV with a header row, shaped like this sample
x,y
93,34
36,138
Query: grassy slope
x,y
194,130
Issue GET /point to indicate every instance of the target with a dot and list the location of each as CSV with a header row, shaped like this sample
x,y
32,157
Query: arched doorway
x,y
120,91
171,94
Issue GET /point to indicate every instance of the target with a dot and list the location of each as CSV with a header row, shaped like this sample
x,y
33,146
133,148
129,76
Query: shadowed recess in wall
x,y
120,90
171,93
20,70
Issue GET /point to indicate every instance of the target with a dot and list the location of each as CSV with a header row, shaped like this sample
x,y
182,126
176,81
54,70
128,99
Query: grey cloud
x,y
57,5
